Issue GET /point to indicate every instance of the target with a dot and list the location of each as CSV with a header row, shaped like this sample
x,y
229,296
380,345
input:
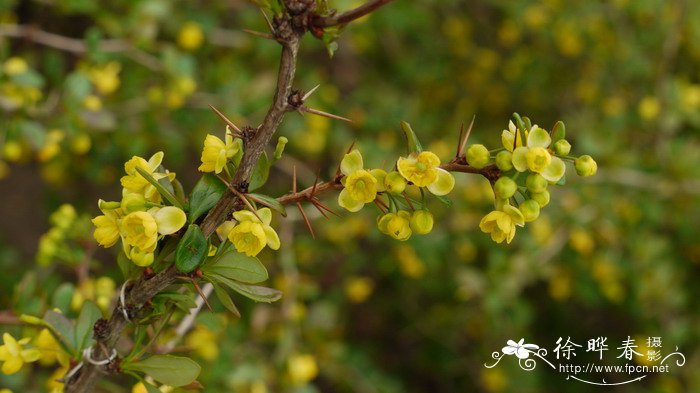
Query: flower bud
x,y
504,160
562,147
586,166
422,222
279,149
530,209
542,198
478,156
104,205
133,203
505,187
536,183
559,131
394,182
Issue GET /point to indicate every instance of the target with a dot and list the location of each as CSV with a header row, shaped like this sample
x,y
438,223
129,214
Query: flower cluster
x,y
14,355
20,86
362,186
140,219
530,161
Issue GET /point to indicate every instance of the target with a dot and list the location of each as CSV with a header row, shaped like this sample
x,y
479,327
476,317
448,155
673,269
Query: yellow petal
x,y
273,241
30,355
346,201
245,215
537,137
520,159
169,219
11,344
555,170
265,215
12,365
515,215
351,162
443,184
155,160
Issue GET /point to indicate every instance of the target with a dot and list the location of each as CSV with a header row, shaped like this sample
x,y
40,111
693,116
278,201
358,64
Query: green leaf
x,y
254,292
236,266
191,250
558,131
414,145
168,369
206,193
260,173
447,201
62,328
519,122
150,388
225,300
62,296
270,202
162,190
89,314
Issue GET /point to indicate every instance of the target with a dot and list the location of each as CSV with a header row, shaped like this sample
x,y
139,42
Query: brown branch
x,y
107,333
349,16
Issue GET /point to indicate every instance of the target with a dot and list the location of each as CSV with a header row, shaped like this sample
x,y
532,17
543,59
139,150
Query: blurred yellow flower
x,y
14,355
15,66
302,368
50,350
203,342
649,108
105,77
358,289
190,36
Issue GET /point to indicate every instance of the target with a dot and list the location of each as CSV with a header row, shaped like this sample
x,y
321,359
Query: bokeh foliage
x,y
615,257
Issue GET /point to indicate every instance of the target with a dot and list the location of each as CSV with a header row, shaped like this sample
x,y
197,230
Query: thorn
x,y
313,189
267,36
267,19
199,290
324,114
463,141
318,203
242,197
307,95
459,140
226,120
294,179
306,220
313,202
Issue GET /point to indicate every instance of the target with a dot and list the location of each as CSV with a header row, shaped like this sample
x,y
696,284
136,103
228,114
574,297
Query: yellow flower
x,y
139,229
50,350
13,355
396,225
360,185
15,66
204,343
106,226
302,368
358,289
508,137
251,234
501,224
216,152
536,157
134,182
105,77
190,36
424,170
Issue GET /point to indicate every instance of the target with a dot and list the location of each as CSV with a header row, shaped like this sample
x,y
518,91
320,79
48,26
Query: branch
x,y
349,16
146,288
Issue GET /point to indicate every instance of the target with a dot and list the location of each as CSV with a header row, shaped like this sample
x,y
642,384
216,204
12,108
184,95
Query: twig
x,y
349,16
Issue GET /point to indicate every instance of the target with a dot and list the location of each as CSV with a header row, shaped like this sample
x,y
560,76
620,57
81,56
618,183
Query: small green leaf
x,y
191,250
519,122
447,201
558,131
206,193
270,202
167,369
225,300
162,190
89,314
62,328
183,301
260,173
236,266
254,292
414,145
62,296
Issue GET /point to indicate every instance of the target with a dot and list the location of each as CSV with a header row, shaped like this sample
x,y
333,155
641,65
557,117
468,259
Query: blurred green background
x,y
615,255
